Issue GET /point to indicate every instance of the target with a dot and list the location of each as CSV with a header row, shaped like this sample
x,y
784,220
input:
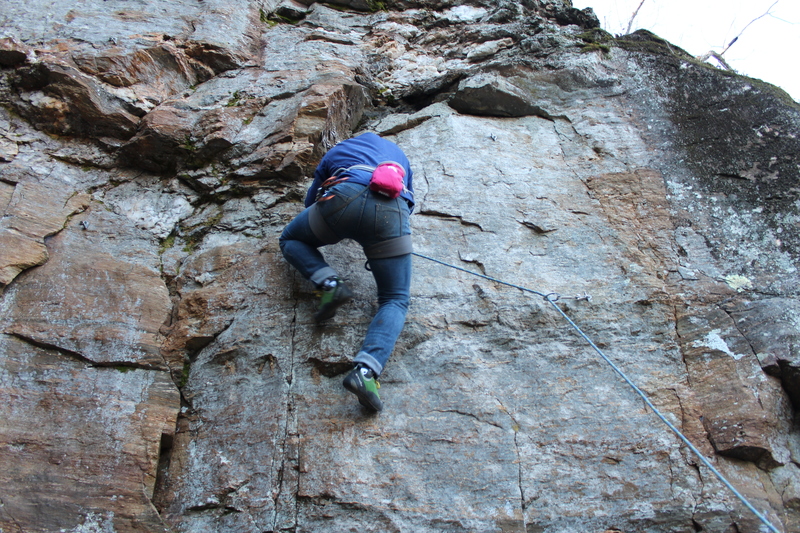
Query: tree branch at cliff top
x,y
718,55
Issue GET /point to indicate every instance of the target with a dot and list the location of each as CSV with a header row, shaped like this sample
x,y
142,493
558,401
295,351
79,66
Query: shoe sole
x,y
330,310
365,398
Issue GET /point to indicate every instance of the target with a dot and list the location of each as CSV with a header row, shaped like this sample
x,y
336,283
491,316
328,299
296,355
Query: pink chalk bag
x,y
387,179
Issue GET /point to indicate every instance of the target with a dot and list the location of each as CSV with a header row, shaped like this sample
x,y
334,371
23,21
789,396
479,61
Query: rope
x,y
554,295
552,298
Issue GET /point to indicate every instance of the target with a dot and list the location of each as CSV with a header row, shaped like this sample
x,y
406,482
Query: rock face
x,y
160,369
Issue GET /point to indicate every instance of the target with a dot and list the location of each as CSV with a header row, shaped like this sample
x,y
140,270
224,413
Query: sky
x,y
767,49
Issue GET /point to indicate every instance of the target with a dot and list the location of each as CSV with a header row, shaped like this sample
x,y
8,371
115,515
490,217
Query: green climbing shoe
x,y
334,294
361,382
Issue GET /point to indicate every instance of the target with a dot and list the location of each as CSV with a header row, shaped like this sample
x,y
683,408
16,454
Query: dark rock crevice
x,y
121,365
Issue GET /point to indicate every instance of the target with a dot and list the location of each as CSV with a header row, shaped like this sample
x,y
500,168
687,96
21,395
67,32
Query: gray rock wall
x,y
160,369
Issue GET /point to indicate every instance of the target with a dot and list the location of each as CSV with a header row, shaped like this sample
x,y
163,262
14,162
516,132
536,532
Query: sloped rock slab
x,y
80,445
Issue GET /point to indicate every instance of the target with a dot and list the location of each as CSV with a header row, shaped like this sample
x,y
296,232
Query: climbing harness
x,y
554,297
386,179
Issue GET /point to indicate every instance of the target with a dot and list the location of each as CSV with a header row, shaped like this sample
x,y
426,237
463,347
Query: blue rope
x,y
551,298
543,295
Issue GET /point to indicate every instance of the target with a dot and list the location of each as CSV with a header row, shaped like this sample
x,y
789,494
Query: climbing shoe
x,y
333,294
361,382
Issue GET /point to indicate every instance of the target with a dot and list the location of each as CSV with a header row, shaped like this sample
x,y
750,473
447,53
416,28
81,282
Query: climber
x,y
361,191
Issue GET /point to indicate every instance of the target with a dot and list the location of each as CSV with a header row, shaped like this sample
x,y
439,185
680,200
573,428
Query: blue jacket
x,y
366,149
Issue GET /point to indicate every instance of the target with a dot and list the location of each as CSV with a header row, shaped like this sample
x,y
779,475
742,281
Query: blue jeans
x,y
368,218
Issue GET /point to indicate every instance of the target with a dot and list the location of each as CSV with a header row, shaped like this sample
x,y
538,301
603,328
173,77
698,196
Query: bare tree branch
x,y
767,12
630,22
718,55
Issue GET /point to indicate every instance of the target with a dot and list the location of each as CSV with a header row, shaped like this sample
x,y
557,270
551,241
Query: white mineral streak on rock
x,y
713,341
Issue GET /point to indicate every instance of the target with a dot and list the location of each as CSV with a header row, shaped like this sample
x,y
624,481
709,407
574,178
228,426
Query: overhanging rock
x,y
492,95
